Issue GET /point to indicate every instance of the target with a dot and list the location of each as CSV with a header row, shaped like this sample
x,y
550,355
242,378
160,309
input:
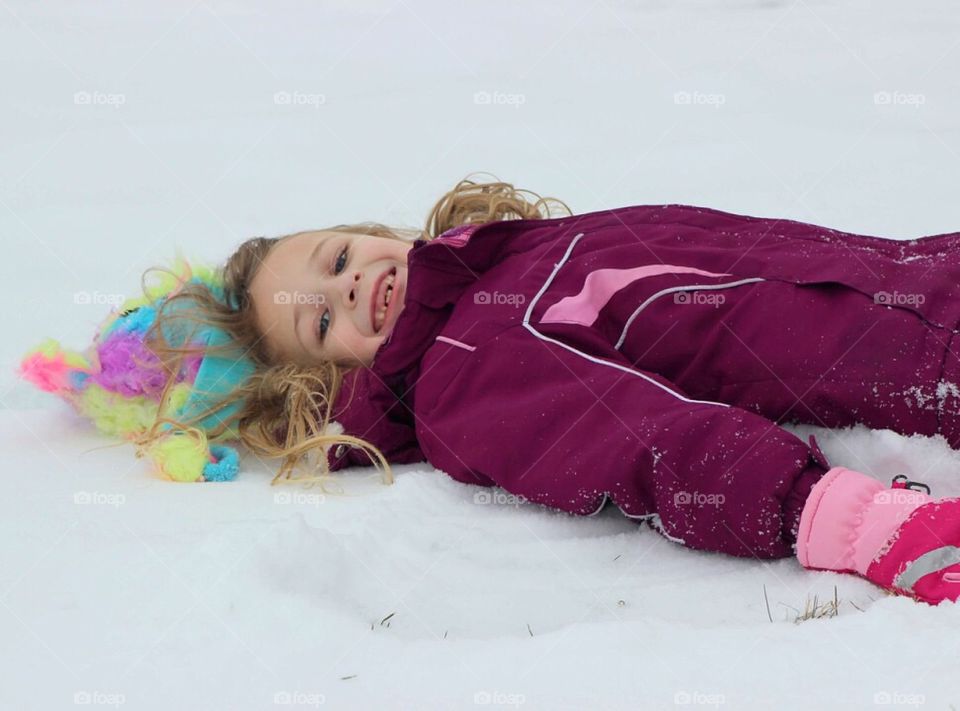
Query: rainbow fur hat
x,y
107,384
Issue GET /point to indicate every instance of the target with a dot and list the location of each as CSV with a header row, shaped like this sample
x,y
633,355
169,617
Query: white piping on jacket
x,y
599,361
694,287
606,498
654,518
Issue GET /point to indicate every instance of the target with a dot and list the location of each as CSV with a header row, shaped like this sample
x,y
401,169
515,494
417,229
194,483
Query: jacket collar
x,y
375,403
437,275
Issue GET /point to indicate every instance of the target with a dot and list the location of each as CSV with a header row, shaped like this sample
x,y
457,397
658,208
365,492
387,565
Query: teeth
x,y
382,310
389,283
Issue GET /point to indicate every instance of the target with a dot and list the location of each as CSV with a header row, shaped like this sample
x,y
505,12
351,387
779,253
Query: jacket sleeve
x,y
571,431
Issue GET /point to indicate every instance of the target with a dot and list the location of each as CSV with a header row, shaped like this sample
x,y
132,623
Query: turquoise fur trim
x,y
219,373
138,321
226,466
217,377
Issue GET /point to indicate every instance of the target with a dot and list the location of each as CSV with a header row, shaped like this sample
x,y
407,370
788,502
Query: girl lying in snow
x,y
642,356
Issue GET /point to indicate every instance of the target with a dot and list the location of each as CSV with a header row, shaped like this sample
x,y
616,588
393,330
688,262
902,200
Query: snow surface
x,y
119,589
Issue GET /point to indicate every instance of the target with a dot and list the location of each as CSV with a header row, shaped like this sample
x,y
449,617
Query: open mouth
x,y
382,299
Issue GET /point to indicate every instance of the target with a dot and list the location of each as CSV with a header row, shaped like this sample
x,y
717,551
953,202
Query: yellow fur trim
x,y
115,414
177,398
181,457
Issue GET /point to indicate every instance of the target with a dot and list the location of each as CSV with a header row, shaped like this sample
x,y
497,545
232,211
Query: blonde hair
x,y
296,399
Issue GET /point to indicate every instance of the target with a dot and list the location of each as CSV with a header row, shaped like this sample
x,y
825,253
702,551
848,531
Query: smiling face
x,y
317,296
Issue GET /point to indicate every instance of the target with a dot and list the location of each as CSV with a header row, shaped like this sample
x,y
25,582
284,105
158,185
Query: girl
x,y
641,357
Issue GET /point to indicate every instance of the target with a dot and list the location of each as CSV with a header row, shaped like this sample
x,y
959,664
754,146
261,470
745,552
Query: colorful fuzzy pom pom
x,y
180,456
117,382
225,464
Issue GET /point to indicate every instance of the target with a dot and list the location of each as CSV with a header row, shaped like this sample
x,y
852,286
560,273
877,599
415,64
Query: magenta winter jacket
x,y
644,356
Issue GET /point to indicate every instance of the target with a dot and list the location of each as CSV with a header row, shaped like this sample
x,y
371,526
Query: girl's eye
x,y
323,323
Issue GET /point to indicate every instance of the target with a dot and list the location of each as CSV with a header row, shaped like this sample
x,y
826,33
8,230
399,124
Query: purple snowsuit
x,y
645,355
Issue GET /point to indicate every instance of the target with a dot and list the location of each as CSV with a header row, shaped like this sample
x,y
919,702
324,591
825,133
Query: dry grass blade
x,y
819,610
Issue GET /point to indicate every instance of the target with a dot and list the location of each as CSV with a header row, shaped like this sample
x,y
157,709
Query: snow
x,y
132,129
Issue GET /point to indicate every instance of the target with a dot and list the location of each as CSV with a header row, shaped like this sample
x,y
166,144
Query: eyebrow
x,y
314,255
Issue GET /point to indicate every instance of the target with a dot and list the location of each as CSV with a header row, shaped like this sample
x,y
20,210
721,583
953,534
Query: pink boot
x,y
897,538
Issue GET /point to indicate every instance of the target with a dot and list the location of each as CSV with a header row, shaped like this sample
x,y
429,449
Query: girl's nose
x,y
354,295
